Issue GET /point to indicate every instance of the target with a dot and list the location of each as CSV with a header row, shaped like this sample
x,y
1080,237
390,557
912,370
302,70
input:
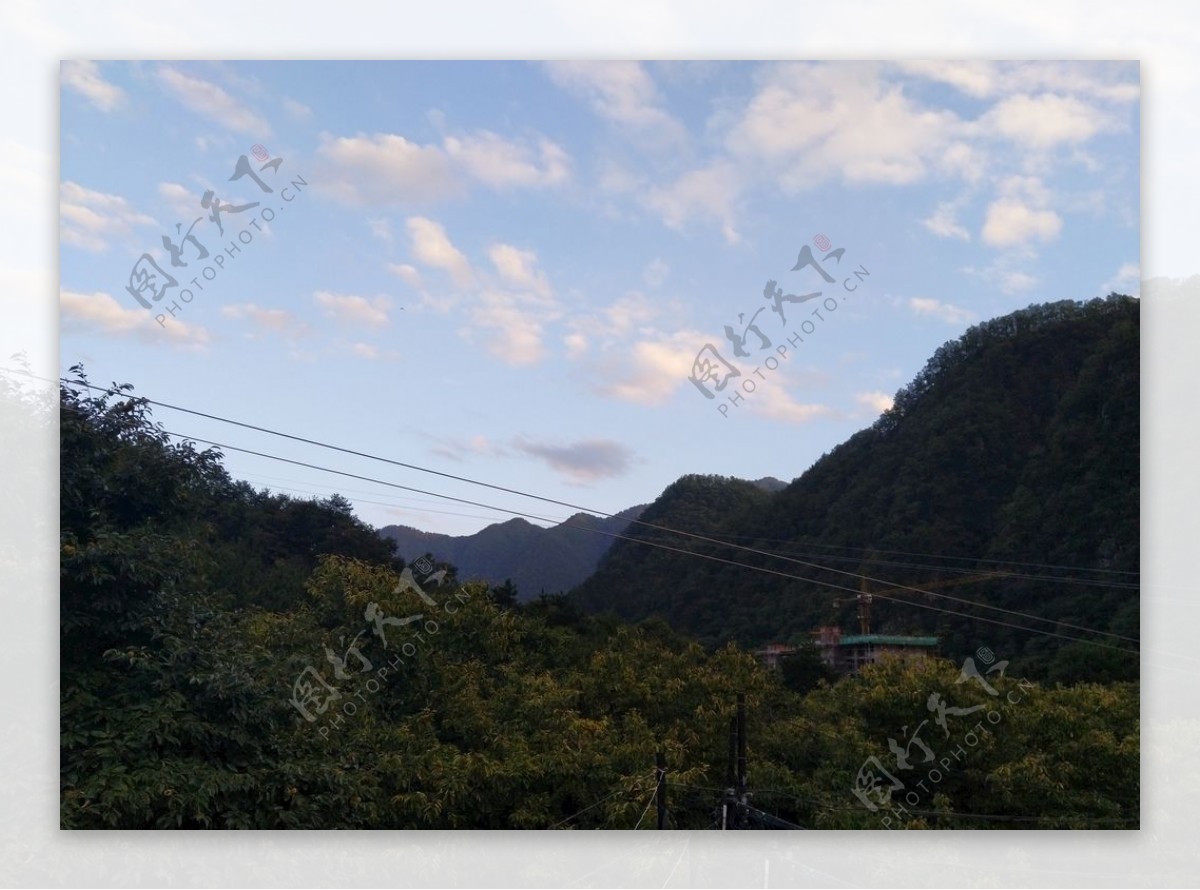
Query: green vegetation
x,y
191,604
1018,443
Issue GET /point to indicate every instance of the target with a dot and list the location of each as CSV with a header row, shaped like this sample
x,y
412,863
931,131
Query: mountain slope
x,y
1018,443
549,560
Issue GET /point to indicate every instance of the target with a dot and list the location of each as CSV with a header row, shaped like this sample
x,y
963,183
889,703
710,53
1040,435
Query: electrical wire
x,y
452,476
653,794
760,569
665,529
593,806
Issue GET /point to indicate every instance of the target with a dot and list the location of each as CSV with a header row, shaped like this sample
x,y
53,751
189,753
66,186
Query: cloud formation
x,y
386,169
585,461
92,220
99,314
275,321
83,77
351,309
945,311
623,93
211,101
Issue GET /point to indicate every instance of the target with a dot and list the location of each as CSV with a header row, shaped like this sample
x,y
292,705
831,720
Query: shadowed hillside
x,y
1016,449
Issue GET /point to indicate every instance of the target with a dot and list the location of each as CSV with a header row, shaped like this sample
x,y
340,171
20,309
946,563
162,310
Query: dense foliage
x,y
1016,451
194,608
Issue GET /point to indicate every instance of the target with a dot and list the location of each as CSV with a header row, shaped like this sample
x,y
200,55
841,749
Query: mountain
x,y
1015,449
537,560
770,483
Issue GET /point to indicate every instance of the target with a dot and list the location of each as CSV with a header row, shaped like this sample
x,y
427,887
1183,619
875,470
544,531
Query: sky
x,y
579,280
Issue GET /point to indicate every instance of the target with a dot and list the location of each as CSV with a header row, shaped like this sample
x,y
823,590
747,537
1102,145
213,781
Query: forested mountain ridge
x,y
219,669
537,560
1017,443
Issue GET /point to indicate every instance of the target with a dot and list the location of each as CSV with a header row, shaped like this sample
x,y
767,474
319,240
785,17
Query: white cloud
x,y
945,311
365,350
975,78
577,345
1009,271
964,161
211,101
1045,120
509,308
519,268
276,321
1016,281
184,203
354,310
706,194
1127,280
876,401
431,246
408,273
615,323
92,219
514,323
1108,81
811,122
98,313
1012,221
381,229
503,163
944,222
84,78
386,169
649,370
614,179
515,335
622,92
297,110
772,400
1020,213
459,449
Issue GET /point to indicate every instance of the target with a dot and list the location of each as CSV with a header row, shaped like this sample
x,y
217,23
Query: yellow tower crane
x,y
864,596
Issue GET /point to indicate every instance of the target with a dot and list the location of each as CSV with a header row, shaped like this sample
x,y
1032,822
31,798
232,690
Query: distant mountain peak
x,y
536,559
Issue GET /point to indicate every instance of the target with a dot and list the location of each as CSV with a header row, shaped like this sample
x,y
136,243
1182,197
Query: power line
x,y
649,804
1038,565
761,569
452,476
594,805
665,529
970,572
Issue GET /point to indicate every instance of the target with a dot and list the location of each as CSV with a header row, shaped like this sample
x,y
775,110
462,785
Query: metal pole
x,y
731,766
741,743
660,763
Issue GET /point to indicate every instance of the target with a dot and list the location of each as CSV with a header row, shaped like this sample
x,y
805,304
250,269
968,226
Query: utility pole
x,y
731,766
660,764
728,804
742,778
741,744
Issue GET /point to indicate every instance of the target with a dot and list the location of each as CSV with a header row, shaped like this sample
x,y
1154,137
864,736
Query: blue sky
x,y
506,270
